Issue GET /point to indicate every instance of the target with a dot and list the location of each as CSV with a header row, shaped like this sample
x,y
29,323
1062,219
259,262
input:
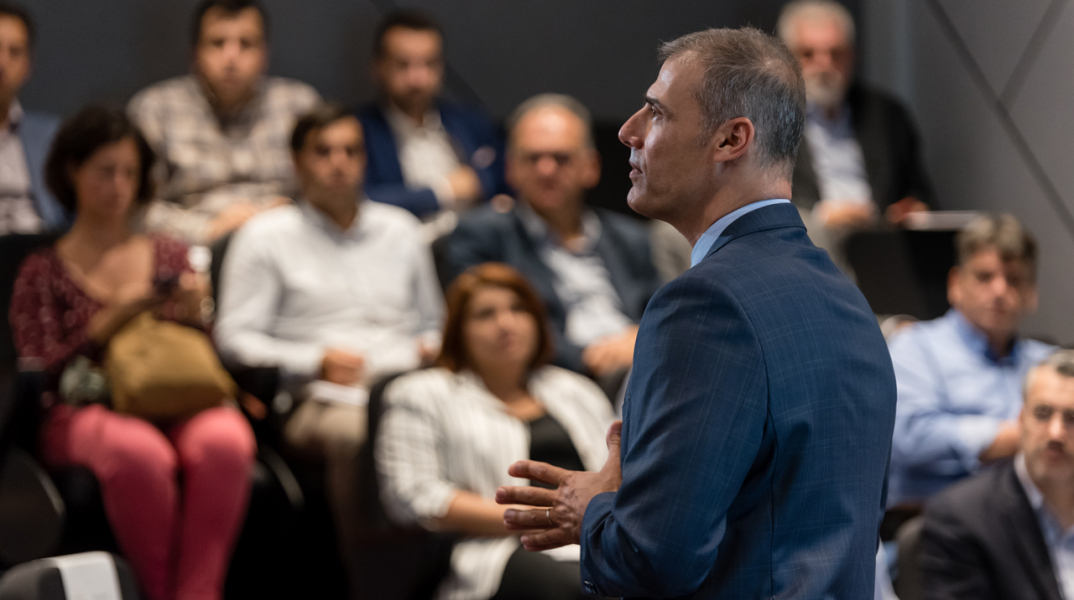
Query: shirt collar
x,y
707,239
14,115
539,231
404,126
325,223
818,114
977,341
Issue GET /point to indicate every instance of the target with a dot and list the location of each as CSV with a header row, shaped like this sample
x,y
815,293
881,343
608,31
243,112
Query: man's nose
x,y
1057,430
546,165
630,133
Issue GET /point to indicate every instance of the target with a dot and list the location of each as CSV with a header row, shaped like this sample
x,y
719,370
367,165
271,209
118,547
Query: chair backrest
x,y
219,251
417,560
908,578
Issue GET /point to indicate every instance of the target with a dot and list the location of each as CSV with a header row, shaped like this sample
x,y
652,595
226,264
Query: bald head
x,y
551,160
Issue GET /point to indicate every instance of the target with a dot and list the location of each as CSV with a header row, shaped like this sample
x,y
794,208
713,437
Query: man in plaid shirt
x,y
221,132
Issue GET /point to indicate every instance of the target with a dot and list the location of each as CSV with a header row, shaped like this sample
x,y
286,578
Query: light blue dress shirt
x,y
837,157
953,396
1060,541
707,239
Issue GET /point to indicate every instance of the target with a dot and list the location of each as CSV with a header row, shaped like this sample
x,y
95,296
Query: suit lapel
x,y
540,275
1023,529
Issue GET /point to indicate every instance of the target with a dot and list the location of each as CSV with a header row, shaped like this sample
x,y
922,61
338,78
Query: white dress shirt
x,y
294,284
444,432
17,213
426,153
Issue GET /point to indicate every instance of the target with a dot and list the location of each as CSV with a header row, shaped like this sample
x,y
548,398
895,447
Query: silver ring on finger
x,y
548,515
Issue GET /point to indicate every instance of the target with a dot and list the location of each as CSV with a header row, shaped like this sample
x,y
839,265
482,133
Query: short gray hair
x,y
814,10
563,101
1062,361
1002,232
748,73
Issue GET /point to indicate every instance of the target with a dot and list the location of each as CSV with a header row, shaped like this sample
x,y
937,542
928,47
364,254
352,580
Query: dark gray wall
x,y
992,85
602,51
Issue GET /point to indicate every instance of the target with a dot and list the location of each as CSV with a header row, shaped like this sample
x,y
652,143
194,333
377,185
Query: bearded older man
x,y
860,158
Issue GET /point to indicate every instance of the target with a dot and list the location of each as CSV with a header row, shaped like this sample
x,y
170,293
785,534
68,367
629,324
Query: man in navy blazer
x,y
26,205
593,268
757,423
424,154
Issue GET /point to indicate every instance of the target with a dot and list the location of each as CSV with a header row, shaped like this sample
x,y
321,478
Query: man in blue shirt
x,y
960,376
1009,531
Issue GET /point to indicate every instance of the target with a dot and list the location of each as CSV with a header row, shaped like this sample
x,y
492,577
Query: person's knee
x,y
220,436
134,449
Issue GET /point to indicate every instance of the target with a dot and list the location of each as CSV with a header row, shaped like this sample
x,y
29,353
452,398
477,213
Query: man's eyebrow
x,y
656,103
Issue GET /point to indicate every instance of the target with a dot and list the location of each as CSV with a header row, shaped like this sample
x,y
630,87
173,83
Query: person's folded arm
x,y
249,296
928,437
693,423
409,457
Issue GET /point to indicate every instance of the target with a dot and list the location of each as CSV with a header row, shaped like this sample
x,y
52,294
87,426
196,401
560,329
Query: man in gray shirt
x,y
26,206
336,292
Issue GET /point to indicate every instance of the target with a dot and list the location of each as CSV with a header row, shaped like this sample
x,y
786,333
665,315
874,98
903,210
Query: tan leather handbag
x,y
161,370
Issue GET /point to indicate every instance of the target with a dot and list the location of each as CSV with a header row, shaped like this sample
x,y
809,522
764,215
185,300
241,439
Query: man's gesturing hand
x,y
559,520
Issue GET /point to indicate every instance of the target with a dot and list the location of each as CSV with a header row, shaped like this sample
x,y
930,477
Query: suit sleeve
x,y
917,180
952,565
693,423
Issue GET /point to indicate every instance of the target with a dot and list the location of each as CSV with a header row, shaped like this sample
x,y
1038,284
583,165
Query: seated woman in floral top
x,y
69,300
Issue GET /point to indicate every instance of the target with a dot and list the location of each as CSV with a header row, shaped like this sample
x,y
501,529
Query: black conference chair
x,y
398,563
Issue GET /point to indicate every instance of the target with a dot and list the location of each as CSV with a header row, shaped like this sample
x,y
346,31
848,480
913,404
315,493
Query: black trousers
x,y
534,576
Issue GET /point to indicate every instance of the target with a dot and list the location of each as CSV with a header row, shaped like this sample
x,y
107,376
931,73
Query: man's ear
x,y
591,176
733,138
954,292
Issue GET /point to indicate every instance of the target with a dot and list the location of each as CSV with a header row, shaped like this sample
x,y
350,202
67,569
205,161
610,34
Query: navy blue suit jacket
x,y
476,142
485,235
757,430
36,131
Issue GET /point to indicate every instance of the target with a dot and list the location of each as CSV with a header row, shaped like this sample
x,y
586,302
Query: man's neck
x,y
414,113
226,110
727,200
5,112
1060,500
342,211
565,222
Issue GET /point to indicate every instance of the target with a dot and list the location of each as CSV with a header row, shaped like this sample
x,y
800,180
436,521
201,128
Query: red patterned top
x,y
50,313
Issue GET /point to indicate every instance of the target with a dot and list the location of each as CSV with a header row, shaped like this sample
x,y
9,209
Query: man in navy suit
x,y
26,206
426,155
757,423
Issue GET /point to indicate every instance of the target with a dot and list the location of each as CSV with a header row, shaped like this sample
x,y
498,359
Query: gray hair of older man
x,y
563,101
1061,361
748,73
798,10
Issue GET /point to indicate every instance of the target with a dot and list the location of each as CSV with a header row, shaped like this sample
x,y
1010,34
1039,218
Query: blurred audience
x,y
332,290
69,300
450,433
1009,531
592,268
426,154
959,377
221,131
26,205
859,158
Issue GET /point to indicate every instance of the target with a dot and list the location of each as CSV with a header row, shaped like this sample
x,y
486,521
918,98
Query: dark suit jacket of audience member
x,y
486,235
36,131
981,540
889,146
763,394
476,142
